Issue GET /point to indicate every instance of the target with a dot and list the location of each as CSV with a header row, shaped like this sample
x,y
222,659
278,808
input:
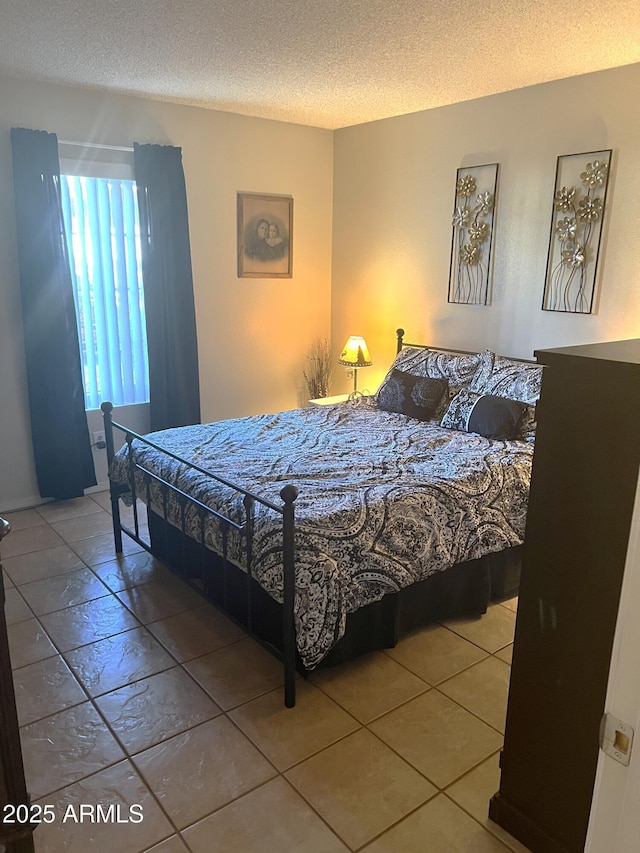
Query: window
x,y
103,236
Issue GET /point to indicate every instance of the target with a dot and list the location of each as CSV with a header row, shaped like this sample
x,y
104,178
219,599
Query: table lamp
x,y
355,355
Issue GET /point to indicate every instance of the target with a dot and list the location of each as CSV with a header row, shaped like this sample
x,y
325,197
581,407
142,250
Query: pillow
x,y
510,379
489,415
415,396
458,370
527,425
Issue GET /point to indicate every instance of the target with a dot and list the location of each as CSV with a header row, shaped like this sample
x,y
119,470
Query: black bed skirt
x,y
464,590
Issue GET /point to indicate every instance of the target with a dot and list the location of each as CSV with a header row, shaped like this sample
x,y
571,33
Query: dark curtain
x,y
174,390
61,445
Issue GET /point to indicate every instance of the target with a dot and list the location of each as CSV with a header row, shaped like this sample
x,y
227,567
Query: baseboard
x,y
25,502
35,501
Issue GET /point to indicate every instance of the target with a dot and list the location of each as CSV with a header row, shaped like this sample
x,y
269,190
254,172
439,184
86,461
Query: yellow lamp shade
x,y
355,353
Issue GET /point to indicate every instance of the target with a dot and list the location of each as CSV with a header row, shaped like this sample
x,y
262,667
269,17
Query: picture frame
x,y
578,211
472,234
265,236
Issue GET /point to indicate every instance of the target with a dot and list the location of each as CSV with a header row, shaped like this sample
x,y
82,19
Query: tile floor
x,y
137,696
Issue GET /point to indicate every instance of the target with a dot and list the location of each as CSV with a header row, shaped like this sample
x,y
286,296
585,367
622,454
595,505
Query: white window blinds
x,y
103,236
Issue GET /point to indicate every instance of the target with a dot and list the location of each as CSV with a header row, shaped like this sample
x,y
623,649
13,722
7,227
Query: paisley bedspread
x,y
384,501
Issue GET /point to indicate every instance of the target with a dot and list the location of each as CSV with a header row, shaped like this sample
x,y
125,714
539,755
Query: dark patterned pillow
x,y
458,370
511,379
489,415
415,396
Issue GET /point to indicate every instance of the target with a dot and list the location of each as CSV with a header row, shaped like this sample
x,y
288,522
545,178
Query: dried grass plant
x,y
318,374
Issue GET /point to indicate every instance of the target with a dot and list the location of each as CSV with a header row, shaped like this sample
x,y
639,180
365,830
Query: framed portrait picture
x,y
265,236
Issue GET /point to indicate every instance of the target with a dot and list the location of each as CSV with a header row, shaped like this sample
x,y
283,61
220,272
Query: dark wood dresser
x,y
585,473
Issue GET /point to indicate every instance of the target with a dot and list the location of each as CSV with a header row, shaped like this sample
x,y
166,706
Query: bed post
x,y
400,336
288,494
107,420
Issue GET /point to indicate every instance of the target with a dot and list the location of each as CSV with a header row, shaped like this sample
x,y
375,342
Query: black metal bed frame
x,y
244,528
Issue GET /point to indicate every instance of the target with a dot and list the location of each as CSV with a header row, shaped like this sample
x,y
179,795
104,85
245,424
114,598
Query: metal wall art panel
x,y
576,229
473,214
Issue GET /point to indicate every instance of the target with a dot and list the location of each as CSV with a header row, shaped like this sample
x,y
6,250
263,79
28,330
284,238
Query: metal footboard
x,y
243,528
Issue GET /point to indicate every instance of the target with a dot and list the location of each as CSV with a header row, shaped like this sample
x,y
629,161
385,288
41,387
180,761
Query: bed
x,y
328,531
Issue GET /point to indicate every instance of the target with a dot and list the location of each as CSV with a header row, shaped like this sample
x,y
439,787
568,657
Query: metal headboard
x,y
401,344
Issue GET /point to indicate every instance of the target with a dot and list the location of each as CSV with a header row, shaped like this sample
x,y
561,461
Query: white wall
x,y
253,334
394,184
386,189
614,824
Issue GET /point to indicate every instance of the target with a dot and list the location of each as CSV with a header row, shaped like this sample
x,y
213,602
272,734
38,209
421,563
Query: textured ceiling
x,y
327,63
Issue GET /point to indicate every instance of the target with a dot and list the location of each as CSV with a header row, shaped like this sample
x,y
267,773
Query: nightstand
x,y
329,401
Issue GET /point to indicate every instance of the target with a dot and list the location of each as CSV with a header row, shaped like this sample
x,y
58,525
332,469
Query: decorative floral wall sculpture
x,y
576,229
473,213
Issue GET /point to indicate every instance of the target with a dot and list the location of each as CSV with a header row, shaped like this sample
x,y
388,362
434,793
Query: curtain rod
x,y
96,145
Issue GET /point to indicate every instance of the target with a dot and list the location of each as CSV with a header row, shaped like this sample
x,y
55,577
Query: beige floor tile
x,y
143,532
127,514
62,510
473,792
203,769
16,608
155,708
437,736
369,686
336,774
511,603
505,654
131,570
22,519
101,548
237,673
491,632
84,526
171,845
482,689
29,539
289,735
347,785
435,653
6,580
193,633
47,563
118,788
437,827
28,643
45,687
102,499
160,599
271,818
65,747
85,623
118,660
50,594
